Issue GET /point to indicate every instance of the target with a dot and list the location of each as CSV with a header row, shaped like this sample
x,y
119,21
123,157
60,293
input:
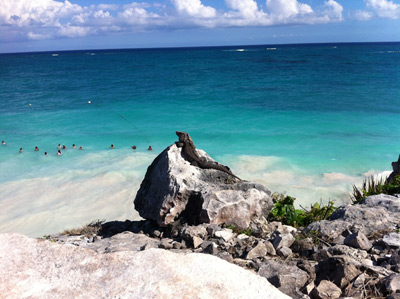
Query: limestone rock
x,y
288,279
226,234
325,290
375,213
283,240
392,283
260,250
392,239
284,251
33,268
172,188
358,240
341,270
126,241
395,172
357,254
190,231
270,248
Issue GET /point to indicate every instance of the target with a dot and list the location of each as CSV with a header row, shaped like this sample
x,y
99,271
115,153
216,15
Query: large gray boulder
x,y
377,213
173,188
33,268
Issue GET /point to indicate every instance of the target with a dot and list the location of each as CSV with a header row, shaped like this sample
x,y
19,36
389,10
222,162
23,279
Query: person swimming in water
x,y
64,147
73,146
45,153
59,153
20,150
80,148
133,147
149,149
36,149
3,142
59,146
112,146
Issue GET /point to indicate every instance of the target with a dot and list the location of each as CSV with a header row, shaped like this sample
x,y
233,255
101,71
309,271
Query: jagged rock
x,y
392,239
376,213
212,229
126,241
304,247
284,251
283,240
395,172
260,250
226,234
339,269
41,269
276,226
191,231
309,267
166,244
196,241
354,253
225,256
288,279
358,240
392,283
172,188
212,248
325,290
242,237
270,248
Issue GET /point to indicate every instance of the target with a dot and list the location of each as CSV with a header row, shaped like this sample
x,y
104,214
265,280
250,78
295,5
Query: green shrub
x,y
285,212
374,186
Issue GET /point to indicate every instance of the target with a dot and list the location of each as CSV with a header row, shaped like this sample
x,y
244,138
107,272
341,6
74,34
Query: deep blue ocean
x,y
308,120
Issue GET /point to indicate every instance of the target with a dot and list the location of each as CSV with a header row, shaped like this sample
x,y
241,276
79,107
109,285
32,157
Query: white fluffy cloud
x,y
247,9
284,9
384,8
43,19
334,10
379,8
194,8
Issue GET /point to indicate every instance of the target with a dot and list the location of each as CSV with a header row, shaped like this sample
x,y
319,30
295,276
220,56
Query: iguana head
x,y
184,137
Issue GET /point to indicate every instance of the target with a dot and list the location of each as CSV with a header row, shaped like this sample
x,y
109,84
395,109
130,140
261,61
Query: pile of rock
x,y
300,263
354,253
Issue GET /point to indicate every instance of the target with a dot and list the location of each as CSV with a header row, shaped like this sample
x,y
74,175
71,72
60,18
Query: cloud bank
x,y
47,19
379,9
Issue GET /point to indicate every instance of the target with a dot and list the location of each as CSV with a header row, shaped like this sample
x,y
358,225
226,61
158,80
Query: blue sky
x,y
47,25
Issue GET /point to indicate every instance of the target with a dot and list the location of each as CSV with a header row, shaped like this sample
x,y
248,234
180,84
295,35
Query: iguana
x,y
190,154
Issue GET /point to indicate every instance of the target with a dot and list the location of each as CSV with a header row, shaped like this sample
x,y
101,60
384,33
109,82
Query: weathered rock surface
x,y
392,239
42,269
375,214
341,270
289,279
358,240
392,283
172,188
325,290
395,172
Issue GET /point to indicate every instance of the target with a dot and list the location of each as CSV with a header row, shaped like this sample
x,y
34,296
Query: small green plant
x,y
374,186
285,212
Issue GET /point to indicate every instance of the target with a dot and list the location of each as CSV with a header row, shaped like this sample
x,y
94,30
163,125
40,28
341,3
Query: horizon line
x,y
198,47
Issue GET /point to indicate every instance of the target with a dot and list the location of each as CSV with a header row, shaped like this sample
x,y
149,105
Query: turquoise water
x,y
306,119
